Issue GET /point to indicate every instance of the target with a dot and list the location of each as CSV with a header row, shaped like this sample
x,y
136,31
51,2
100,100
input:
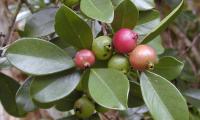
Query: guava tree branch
x,y
12,26
187,42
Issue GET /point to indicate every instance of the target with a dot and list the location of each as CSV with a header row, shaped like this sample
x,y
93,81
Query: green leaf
x,y
164,23
193,97
67,103
8,89
135,95
71,28
147,16
116,2
51,88
4,63
38,57
168,67
101,10
126,16
144,29
109,88
162,98
23,98
41,23
144,4
60,43
156,43
83,84
43,105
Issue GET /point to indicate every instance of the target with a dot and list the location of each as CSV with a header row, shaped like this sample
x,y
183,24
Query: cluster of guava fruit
x,y
122,52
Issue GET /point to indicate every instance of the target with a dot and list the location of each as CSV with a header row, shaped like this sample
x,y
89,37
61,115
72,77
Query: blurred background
x,y
181,39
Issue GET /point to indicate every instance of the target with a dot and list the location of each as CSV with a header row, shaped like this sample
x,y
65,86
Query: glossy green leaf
x,y
162,98
23,98
126,16
135,95
147,16
193,97
40,23
144,29
163,24
101,10
72,29
51,88
156,43
8,89
67,103
38,57
83,84
109,88
168,67
144,4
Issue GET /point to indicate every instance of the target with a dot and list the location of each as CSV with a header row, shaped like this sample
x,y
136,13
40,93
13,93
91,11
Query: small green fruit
x,y
119,62
70,3
101,109
83,107
102,47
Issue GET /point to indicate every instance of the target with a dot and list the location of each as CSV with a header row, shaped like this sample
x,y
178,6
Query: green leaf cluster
x,y
55,81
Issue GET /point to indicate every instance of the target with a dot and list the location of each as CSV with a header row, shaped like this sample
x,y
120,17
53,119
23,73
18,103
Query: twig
x,y
57,3
188,43
192,65
192,44
12,26
104,28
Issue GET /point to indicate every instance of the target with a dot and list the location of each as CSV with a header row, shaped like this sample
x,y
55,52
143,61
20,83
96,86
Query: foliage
x,y
50,40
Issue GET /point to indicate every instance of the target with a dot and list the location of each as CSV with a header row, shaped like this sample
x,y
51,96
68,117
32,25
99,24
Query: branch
x,y
194,69
12,26
104,29
196,38
188,43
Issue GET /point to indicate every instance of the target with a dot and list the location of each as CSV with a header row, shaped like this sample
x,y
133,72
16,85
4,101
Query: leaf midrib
x,y
107,86
101,13
74,31
156,94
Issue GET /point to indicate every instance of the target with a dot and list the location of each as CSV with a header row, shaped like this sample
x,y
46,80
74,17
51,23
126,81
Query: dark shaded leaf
x,y
126,16
8,89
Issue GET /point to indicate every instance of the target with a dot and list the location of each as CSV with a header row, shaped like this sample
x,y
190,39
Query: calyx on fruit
x,y
143,57
125,40
102,47
84,59
120,63
83,107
